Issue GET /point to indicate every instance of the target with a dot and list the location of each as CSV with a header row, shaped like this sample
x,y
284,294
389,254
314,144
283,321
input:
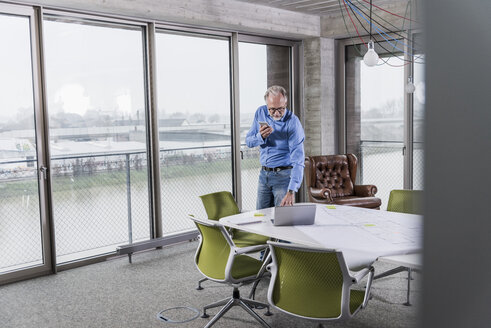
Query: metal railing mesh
x,y
185,175
102,200
20,233
250,168
99,201
418,166
382,164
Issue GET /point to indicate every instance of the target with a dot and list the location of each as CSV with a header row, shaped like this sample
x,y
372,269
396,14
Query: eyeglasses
x,y
279,110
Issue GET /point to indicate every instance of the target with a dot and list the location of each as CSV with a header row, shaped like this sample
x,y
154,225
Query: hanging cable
x,y
370,19
356,47
379,32
381,18
354,25
379,43
347,30
390,12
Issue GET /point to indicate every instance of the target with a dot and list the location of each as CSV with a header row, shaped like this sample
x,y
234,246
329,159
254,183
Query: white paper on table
x,y
247,220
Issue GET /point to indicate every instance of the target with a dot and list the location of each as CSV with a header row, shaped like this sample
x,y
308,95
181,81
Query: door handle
x,y
44,172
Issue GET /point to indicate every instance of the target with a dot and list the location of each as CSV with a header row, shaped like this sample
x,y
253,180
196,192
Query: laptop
x,y
299,214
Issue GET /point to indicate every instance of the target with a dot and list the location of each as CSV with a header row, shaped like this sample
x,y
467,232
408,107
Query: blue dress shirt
x,y
283,147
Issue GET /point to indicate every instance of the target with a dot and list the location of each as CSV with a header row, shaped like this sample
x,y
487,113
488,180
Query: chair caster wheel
x,y
205,315
268,313
199,288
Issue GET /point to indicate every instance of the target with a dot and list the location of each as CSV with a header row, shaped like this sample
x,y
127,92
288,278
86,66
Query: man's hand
x,y
265,131
288,200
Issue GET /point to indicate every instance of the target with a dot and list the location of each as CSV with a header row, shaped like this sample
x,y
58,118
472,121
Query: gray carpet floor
x,y
116,293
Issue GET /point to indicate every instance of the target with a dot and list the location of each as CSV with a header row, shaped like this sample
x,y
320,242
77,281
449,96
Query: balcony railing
x,y
101,200
382,163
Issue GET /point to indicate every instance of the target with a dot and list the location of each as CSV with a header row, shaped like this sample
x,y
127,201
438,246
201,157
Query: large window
x,y
382,126
96,104
377,111
194,109
260,67
78,155
20,223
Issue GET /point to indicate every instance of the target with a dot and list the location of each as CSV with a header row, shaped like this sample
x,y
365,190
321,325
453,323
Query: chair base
x,y
245,303
199,283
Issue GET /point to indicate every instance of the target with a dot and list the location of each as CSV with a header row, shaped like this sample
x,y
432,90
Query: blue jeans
x,y
272,187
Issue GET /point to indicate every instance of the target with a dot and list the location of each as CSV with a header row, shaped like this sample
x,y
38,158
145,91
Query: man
x,y
279,135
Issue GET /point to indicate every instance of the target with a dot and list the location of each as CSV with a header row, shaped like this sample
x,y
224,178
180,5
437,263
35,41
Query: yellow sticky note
x,y
331,207
258,214
369,225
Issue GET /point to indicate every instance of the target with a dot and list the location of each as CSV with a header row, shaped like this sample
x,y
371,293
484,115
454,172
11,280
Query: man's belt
x,y
276,169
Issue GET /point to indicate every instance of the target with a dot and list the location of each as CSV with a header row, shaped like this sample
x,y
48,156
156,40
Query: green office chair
x,y
221,204
410,202
315,283
220,260
405,201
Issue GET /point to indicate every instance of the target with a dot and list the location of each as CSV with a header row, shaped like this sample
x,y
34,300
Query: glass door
x,y
379,113
260,66
24,235
98,141
194,111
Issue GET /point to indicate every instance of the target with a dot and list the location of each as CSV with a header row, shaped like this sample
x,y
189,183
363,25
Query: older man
x,y
280,136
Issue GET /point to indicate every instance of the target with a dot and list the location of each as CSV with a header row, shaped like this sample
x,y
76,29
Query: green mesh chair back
x,y
213,252
405,201
314,283
309,284
219,204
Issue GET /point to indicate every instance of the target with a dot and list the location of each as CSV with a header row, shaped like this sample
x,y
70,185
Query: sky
x,y
102,69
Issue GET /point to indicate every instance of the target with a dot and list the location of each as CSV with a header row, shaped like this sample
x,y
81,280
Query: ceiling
x,y
313,7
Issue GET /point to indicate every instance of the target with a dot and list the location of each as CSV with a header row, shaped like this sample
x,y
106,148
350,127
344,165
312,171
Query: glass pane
x,y
193,79
375,104
418,119
96,104
260,66
20,225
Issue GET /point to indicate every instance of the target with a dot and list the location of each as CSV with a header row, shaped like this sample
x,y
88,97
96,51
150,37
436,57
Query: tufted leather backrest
x,y
335,172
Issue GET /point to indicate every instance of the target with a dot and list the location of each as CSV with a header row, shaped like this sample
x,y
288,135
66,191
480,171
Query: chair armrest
x,y
359,275
365,190
322,193
250,249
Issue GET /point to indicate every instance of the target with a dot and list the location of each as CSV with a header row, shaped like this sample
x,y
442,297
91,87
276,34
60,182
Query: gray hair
x,y
275,90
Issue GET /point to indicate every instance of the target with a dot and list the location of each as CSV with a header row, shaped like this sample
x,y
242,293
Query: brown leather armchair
x,y
330,179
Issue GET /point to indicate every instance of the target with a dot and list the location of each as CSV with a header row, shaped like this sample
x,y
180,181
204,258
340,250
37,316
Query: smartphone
x,y
263,123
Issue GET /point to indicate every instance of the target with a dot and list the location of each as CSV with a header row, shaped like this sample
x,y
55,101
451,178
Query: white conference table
x,y
361,234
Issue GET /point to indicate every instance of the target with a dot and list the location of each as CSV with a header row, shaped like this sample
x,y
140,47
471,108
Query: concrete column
x,y
278,67
319,97
353,110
